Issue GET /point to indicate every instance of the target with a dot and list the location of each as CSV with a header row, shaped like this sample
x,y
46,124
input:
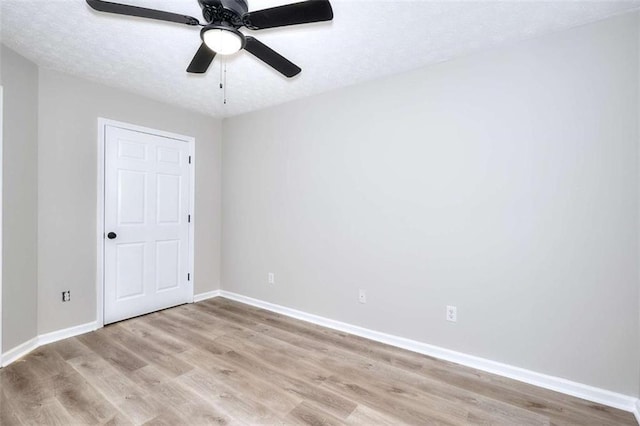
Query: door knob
x,y
111,235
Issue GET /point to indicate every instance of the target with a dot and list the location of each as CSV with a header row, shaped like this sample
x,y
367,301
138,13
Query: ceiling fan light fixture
x,y
223,40
223,18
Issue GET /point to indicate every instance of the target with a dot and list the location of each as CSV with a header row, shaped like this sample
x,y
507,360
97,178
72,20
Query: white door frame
x,y
102,124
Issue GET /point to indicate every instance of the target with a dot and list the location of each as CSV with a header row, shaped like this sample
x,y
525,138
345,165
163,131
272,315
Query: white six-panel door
x,y
146,250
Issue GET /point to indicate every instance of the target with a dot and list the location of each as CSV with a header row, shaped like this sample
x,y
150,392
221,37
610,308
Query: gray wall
x,y
69,109
505,183
20,199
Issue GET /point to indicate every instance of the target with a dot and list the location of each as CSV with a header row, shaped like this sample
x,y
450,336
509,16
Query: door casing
x,y
100,231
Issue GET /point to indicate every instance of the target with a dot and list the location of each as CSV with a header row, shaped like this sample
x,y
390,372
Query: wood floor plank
x,y
119,420
9,412
148,351
307,414
139,407
206,413
45,363
306,367
140,328
204,322
294,386
194,416
83,402
220,362
187,330
396,382
49,412
118,389
70,348
327,399
149,376
104,377
364,415
165,417
277,400
99,342
227,400
23,387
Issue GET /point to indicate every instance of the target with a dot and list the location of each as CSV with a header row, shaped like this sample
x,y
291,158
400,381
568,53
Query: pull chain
x,y
225,83
221,73
223,80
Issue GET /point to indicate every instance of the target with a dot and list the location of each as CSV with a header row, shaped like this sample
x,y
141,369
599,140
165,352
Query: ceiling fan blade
x,y
123,9
291,14
271,57
202,59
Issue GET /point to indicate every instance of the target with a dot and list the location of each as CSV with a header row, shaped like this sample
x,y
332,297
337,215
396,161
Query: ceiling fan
x,y
221,35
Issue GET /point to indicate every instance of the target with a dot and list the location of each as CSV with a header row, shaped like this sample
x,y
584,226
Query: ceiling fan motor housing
x,y
224,11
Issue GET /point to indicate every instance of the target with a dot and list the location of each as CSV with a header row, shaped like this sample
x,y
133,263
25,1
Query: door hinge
x,y
189,218
188,277
189,159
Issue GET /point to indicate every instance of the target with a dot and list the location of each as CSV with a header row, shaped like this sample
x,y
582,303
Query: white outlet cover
x,y
271,278
452,313
362,296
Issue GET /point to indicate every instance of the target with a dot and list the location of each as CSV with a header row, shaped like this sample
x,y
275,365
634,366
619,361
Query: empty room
x,y
324,212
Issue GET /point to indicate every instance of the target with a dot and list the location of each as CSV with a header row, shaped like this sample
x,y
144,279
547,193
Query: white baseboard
x,y
19,351
54,336
44,339
204,296
636,412
579,390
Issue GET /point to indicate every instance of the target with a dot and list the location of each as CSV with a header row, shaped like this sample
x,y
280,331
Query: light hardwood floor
x,y
222,362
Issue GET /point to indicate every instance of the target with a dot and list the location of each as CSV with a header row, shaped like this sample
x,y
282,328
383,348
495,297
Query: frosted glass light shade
x,y
222,41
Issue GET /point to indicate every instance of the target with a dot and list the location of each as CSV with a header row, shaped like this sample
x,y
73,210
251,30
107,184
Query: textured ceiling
x,y
366,40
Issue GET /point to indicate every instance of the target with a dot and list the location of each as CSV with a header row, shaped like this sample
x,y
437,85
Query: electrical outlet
x,y
452,314
271,278
66,296
362,296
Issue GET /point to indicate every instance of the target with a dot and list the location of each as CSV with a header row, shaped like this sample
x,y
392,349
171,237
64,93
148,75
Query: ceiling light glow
x,y
223,41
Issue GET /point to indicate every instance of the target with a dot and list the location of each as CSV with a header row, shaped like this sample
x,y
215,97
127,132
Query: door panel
x,y
168,156
131,197
169,200
129,270
131,149
168,264
146,205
